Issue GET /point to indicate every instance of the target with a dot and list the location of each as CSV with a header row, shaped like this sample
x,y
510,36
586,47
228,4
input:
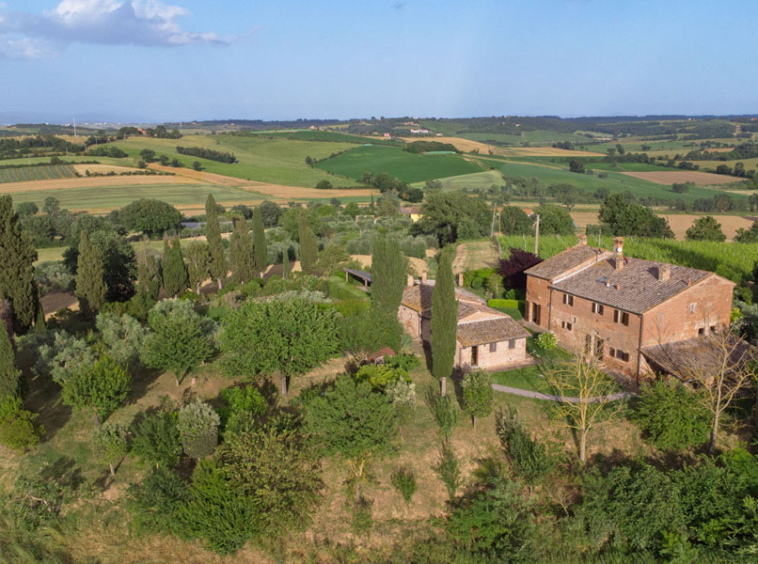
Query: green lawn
x,y
28,173
278,161
408,167
310,135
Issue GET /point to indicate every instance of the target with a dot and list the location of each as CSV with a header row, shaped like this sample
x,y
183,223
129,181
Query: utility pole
x,y
537,236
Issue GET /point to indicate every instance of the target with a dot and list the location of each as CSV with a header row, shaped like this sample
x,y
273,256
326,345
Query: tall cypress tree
x,y
241,253
308,246
389,267
9,374
444,320
260,249
90,286
17,256
286,263
175,279
217,266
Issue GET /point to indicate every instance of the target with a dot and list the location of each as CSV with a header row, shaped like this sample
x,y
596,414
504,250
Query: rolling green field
x,y
278,161
311,135
36,173
551,173
482,180
111,197
408,167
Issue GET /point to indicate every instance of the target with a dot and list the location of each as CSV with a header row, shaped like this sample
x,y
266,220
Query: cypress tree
x,y
9,374
308,246
90,286
241,253
286,263
175,278
389,267
17,256
260,250
40,325
217,266
444,320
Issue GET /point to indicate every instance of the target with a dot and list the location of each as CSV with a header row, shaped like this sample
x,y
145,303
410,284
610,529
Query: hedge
x,y
504,304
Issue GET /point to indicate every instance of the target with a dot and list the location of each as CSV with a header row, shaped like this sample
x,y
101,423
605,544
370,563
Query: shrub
x,y
155,502
33,502
528,458
546,341
503,304
443,410
19,429
405,361
449,469
110,444
402,395
380,375
243,405
404,481
671,416
477,394
216,512
198,429
156,440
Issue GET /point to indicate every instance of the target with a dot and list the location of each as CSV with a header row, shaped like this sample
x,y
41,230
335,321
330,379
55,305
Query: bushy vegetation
x,y
209,154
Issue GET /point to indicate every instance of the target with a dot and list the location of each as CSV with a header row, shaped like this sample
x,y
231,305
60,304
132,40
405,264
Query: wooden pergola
x,y
362,275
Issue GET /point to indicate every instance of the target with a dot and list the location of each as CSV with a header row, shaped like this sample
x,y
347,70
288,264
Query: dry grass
x,y
96,182
418,264
680,177
474,255
55,301
101,168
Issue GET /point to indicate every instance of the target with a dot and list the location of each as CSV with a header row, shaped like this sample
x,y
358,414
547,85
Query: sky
x,y
181,60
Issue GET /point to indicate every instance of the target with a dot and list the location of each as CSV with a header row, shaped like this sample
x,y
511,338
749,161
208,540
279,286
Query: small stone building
x,y
486,338
615,308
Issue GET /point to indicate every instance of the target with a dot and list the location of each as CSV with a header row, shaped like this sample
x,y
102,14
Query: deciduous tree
x,y
103,388
198,429
198,262
110,442
477,394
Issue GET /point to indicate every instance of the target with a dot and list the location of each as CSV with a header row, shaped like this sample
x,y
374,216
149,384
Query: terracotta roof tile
x,y
702,355
635,288
489,331
560,263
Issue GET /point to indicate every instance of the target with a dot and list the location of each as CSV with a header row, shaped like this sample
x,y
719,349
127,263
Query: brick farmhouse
x,y
624,311
486,338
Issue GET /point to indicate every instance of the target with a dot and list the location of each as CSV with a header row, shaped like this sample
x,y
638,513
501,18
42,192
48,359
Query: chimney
x,y
459,278
664,272
618,248
582,239
423,277
410,281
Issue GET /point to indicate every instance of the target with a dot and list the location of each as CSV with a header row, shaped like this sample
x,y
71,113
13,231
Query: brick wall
x,y
410,320
502,358
537,293
675,320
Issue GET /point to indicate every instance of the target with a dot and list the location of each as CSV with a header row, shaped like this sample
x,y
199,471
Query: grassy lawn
x,y
408,167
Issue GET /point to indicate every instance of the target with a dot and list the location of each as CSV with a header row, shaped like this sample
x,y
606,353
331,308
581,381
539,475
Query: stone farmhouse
x,y
624,311
487,338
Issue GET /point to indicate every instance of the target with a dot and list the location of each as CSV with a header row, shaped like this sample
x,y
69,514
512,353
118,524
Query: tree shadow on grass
x,y
141,381
65,472
44,398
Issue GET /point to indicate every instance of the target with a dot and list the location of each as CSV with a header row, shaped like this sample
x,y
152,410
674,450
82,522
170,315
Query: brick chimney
x,y
459,279
582,239
618,248
410,281
423,277
664,272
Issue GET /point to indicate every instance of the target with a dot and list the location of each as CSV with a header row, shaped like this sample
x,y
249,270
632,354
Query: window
x,y
612,352
493,347
512,344
693,307
597,308
713,328
621,355
701,331
566,325
620,317
568,300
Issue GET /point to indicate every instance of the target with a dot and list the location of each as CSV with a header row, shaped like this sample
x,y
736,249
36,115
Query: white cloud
x,y
146,23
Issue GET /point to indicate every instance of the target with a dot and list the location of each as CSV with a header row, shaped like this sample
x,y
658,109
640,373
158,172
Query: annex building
x,y
486,338
624,311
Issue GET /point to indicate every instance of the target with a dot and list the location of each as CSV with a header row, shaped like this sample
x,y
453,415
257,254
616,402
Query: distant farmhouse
x,y
633,315
486,338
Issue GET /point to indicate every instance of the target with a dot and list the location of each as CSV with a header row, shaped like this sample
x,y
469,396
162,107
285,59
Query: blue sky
x,y
167,60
